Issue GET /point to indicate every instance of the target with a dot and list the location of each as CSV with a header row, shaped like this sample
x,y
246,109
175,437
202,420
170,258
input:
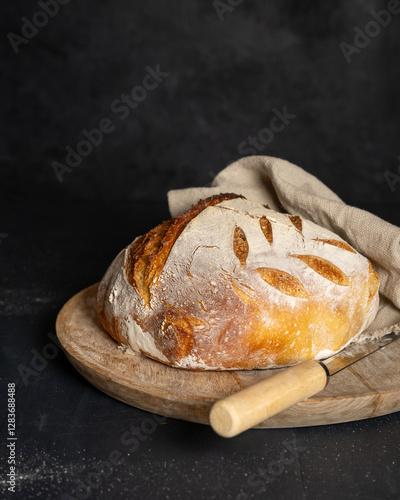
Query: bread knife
x,y
245,409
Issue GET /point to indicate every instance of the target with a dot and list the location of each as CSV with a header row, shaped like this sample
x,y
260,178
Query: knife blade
x,y
245,409
355,352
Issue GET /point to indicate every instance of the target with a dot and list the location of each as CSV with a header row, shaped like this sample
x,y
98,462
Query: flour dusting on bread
x,y
231,284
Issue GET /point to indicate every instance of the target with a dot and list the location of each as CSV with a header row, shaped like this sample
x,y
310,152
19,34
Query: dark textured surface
x,y
74,442
229,76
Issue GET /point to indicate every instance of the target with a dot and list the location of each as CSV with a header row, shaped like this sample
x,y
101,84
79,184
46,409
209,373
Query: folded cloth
x,y
288,188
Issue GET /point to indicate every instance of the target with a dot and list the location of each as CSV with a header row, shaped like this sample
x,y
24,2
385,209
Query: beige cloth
x,y
288,188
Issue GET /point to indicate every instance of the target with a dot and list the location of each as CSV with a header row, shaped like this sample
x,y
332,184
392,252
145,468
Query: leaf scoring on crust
x,y
147,256
337,243
179,328
139,257
240,245
246,298
283,281
297,222
324,268
266,228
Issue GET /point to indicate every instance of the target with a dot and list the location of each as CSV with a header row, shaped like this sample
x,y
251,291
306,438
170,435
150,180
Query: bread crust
x,y
231,284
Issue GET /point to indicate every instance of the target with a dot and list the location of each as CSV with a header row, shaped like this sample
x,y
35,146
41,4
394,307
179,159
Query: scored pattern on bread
x,y
146,259
183,326
297,223
337,243
240,245
239,287
325,268
140,271
266,228
245,297
283,281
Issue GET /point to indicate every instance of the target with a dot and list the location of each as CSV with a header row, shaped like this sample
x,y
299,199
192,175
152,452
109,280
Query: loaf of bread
x,y
231,284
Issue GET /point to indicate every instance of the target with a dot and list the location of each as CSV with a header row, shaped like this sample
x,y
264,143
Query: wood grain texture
x,y
367,389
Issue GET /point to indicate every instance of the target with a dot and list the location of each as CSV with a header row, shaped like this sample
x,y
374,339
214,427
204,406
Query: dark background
x,y
227,74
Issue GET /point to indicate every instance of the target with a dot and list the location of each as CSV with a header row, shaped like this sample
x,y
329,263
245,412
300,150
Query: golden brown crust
x,y
140,257
180,326
146,258
296,221
283,281
324,268
240,288
240,245
373,283
337,243
266,228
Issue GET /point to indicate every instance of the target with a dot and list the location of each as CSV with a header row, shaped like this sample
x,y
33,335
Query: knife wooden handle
x,y
247,408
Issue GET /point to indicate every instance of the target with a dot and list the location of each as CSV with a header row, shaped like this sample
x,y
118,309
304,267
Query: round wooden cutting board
x,y
366,389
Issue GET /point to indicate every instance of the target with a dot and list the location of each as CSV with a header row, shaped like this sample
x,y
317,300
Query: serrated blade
x,y
355,352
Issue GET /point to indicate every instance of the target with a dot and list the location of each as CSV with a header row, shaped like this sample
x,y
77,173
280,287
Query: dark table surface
x,y
73,441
